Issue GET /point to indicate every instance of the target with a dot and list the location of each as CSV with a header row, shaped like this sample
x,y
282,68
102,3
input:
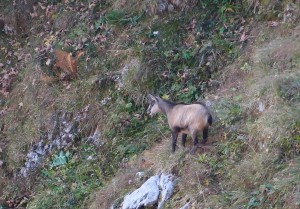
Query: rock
x,y
48,62
60,135
186,206
148,194
129,73
105,100
139,176
96,137
166,184
261,107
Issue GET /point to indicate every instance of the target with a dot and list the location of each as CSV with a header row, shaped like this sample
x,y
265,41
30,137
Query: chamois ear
x,y
151,98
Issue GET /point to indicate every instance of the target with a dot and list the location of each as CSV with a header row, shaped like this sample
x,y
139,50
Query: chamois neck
x,y
165,106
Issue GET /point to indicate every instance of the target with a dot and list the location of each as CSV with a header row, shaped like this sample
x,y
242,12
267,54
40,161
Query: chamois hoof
x,y
193,150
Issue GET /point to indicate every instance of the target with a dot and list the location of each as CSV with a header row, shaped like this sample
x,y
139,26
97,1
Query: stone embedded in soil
x,y
139,176
148,194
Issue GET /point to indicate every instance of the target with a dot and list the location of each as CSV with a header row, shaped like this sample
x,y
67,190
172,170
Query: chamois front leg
x,y
196,142
183,139
174,140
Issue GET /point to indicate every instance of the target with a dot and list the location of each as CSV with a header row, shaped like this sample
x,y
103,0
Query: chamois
x,y
182,118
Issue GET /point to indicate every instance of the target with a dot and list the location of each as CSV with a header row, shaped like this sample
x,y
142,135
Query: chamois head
x,y
153,105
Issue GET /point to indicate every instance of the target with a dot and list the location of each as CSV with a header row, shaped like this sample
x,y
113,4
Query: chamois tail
x,y
210,120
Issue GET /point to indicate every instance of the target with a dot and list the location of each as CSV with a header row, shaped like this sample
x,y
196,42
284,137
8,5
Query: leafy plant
x,y
258,198
209,160
246,67
60,159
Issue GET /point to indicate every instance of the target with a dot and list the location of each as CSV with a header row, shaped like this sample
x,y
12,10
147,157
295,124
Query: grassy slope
x,y
251,159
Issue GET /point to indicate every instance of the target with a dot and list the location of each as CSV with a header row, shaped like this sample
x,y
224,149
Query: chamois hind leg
x,y
174,140
205,135
183,139
196,142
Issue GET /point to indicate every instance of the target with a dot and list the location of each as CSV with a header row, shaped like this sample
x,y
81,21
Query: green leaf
x,y
60,159
186,55
128,105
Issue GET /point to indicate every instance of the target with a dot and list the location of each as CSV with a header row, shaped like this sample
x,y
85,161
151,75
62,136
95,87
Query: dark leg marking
x,y
205,135
196,142
174,140
184,139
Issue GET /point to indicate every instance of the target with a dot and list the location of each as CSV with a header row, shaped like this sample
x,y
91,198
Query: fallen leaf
x,y
273,24
244,37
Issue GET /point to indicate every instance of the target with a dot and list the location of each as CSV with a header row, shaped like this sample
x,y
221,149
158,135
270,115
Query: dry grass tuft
x,y
287,184
123,181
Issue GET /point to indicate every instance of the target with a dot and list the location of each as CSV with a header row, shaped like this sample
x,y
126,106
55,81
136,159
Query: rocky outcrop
x,y
60,135
148,194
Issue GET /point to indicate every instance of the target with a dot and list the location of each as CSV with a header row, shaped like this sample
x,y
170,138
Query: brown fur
x,y
183,118
66,66
193,117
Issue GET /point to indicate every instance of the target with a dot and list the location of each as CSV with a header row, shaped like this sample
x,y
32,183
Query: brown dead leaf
x,y
66,64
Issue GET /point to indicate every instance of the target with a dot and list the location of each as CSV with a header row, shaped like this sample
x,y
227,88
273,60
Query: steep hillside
x,y
75,75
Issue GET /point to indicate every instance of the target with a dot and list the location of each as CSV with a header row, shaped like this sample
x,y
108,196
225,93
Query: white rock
x,y
186,206
90,157
146,195
139,176
166,184
48,62
261,107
